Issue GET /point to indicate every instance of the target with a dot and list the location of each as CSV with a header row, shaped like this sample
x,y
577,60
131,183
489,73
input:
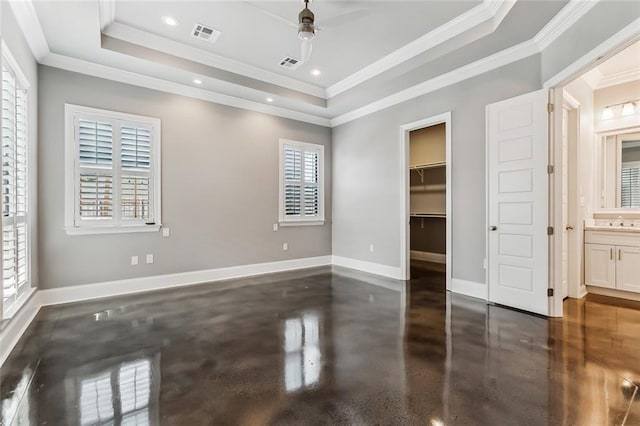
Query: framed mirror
x,y
621,171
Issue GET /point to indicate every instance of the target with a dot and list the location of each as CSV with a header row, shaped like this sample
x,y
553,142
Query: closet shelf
x,y
439,215
428,165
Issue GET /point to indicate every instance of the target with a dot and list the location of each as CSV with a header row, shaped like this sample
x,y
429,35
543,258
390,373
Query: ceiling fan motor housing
x,y
306,30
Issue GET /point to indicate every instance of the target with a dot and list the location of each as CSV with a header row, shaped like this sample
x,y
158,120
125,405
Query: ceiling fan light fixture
x,y
306,32
306,18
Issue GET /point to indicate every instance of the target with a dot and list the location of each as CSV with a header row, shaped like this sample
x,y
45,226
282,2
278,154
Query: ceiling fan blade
x,y
345,18
305,51
273,15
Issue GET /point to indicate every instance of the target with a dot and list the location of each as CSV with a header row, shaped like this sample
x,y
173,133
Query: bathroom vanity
x,y
612,257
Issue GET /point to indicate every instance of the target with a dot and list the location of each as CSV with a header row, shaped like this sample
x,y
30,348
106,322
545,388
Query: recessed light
x,y
269,100
316,72
197,81
170,20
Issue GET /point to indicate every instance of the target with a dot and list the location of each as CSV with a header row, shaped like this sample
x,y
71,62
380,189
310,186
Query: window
x,y
15,209
301,183
630,188
112,172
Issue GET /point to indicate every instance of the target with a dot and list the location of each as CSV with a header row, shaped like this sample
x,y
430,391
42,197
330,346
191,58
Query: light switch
x,y
166,232
285,246
275,227
150,258
134,260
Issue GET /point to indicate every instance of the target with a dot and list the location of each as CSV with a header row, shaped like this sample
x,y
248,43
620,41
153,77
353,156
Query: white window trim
x,y
21,78
300,221
72,167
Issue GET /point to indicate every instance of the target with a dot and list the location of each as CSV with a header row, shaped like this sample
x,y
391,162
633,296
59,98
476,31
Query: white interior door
x,y
518,187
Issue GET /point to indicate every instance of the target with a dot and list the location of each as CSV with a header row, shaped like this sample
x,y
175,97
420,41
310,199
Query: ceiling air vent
x,y
291,63
205,33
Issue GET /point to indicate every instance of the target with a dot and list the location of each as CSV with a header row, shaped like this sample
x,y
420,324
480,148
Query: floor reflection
x,y
323,347
302,361
123,392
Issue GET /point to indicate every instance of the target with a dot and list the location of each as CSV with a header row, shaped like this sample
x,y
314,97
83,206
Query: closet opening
x,y
427,168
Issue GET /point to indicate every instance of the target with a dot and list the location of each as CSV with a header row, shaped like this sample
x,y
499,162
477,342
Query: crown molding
x,y
569,15
103,71
618,78
29,23
497,60
615,43
488,10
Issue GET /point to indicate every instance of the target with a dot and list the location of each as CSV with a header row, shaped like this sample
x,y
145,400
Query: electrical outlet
x,y
166,232
371,248
275,227
134,260
285,246
150,258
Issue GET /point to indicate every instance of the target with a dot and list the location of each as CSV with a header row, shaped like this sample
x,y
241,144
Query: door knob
x,y
569,227
493,228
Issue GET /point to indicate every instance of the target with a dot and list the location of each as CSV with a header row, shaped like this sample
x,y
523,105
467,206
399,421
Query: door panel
x,y
517,131
600,265
628,269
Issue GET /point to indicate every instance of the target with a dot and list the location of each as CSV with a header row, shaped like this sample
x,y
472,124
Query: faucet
x,y
621,220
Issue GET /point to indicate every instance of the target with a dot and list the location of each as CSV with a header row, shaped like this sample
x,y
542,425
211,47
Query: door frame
x,y
575,240
610,47
405,243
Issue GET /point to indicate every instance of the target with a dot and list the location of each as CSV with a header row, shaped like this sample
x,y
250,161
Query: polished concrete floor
x,y
323,346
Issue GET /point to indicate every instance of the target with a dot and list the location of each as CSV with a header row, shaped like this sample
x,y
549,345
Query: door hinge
x,y
550,169
549,292
549,230
550,108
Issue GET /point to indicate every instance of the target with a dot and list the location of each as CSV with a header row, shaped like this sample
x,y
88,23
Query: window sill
x,y
96,230
22,300
302,223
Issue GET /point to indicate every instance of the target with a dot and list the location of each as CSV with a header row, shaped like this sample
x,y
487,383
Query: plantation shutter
x,y
15,250
95,155
301,182
630,188
135,185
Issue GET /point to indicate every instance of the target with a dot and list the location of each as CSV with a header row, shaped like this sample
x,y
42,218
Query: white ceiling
x,y
387,44
367,31
620,68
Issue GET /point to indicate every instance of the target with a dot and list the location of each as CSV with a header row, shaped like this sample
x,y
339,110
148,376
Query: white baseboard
x,y
582,291
370,267
137,285
429,257
611,292
15,328
469,288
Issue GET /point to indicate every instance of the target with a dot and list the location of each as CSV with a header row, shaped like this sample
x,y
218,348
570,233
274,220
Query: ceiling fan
x,y
307,28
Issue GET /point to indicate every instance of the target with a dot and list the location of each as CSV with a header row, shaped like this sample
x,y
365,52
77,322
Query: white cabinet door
x,y
600,265
628,268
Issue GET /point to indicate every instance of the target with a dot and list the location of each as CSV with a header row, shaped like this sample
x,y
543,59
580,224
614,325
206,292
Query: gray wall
x,y
366,167
219,187
17,44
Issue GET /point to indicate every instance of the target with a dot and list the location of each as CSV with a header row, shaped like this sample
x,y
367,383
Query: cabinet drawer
x,y
612,238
